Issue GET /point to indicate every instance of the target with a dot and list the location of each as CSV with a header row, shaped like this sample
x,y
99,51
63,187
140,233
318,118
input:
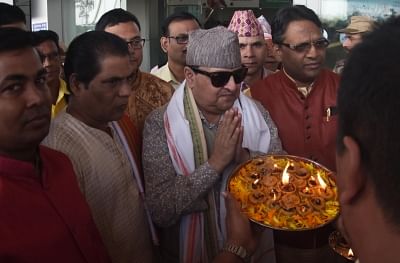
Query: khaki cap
x,y
359,24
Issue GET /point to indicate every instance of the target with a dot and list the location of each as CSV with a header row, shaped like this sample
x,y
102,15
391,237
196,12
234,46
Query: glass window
x,y
80,16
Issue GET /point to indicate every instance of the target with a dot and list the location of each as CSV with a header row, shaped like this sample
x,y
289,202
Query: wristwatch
x,y
237,250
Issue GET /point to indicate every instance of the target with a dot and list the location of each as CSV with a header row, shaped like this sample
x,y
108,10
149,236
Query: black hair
x,y
14,38
176,17
86,51
10,14
369,112
286,15
45,35
114,17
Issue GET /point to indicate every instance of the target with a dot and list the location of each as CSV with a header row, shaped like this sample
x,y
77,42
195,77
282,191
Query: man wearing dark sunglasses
x,y
302,101
174,40
191,146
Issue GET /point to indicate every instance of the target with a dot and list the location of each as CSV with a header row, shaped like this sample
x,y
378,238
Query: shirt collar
x,y
305,90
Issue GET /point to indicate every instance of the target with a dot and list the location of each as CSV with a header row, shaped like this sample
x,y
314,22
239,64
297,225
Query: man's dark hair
x,y
14,38
369,112
114,17
176,17
10,14
286,15
86,51
46,35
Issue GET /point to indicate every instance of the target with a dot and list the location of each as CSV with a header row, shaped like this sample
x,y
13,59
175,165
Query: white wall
x,y
39,14
141,10
55,17
326,9
10,2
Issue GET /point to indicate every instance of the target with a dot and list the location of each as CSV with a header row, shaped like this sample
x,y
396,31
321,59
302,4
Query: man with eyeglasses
x,y
252,44
359,27
174,40
301,99
47,45
148,92
191,145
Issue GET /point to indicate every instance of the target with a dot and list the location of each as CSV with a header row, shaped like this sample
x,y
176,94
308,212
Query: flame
x,y
275,165
321,181
350,253
307,190
285,175
274,197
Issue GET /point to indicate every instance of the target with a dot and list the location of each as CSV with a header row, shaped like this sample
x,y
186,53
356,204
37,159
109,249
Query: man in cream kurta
x,y
88,134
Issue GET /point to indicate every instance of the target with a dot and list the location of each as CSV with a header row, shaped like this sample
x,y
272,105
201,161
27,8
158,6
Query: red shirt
x,y
45,219
305,126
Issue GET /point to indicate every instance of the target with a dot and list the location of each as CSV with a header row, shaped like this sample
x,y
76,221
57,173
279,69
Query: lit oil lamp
x,y
276,169
286,186
256,184
350,254
274,194
306,192
312,182
323,190
304,209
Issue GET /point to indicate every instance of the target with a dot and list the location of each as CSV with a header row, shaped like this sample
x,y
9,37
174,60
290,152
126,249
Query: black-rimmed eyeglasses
x,y
180,39
321,43
137,43
220,78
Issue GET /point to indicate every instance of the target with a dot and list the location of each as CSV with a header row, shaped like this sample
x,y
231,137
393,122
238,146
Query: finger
x,y
235,137
240,139
230,203
228,127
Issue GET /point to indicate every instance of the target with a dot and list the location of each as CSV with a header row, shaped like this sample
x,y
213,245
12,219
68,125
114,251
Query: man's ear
x,y
164,42
189,76
352,179
75,85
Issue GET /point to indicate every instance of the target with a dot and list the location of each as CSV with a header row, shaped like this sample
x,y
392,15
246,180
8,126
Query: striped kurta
x,y
105,177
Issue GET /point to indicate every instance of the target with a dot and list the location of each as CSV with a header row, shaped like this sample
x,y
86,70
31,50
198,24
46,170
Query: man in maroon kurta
x,y
301,98
306,124
43,215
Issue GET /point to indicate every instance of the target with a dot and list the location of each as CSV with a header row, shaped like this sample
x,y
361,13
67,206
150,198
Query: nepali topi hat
x,y
245,24
217,47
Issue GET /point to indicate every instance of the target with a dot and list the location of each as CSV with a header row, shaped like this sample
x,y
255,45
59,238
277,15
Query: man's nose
x,y
35,95
231,85
126,89
248,51
347,43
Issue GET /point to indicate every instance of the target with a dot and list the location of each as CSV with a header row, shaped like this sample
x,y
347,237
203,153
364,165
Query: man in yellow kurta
x,y
46,42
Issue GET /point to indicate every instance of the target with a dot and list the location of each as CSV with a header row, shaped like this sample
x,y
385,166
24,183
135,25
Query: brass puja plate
x,y
340,245
285,192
